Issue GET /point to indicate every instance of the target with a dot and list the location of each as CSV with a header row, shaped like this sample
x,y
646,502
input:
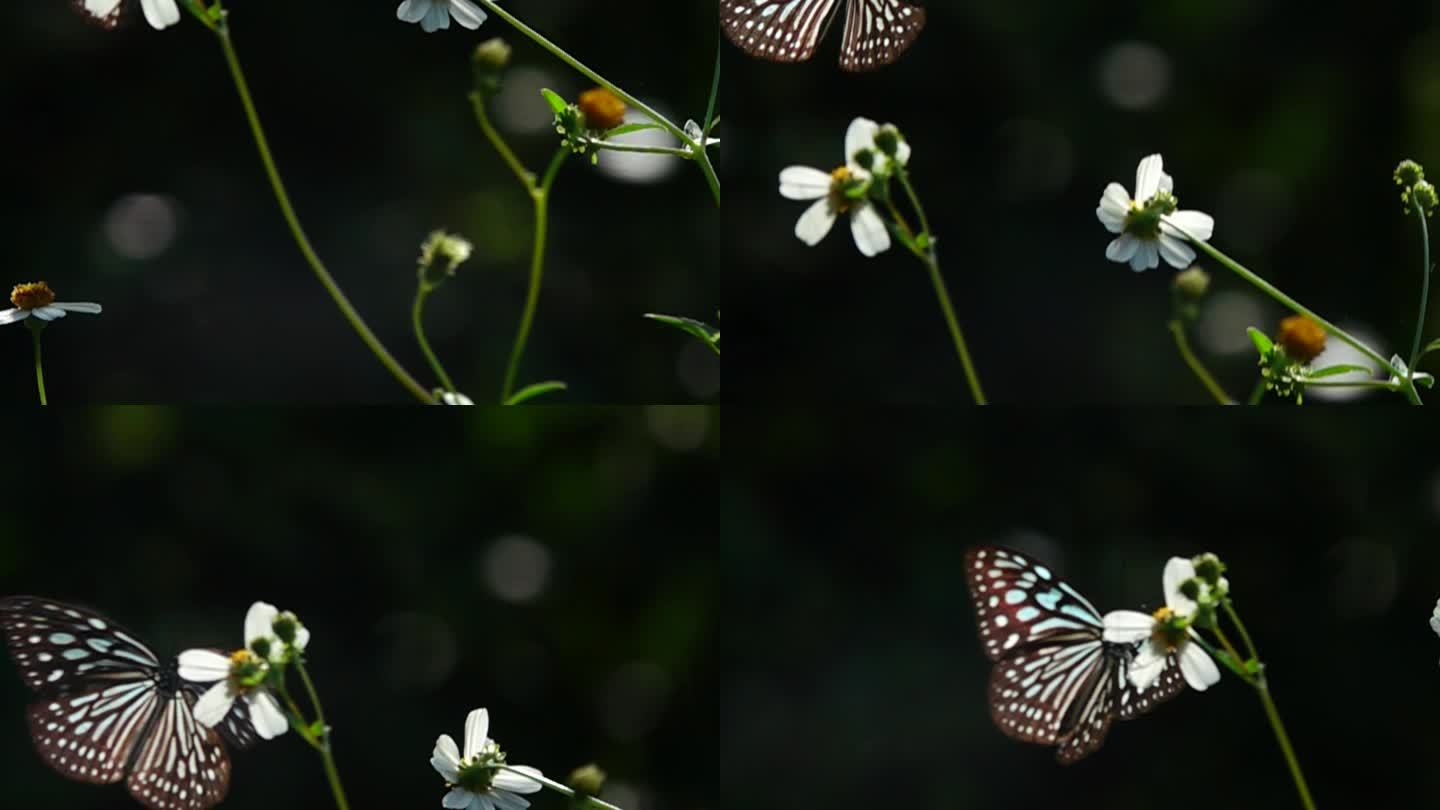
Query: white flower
x,y
1129,627
159,13
828,191
233,674
39,300
434,15
476,783
1435,619
454,398
1149,226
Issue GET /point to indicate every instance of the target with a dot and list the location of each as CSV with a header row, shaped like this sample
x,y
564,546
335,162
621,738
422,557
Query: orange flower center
x,y
602,109
32,296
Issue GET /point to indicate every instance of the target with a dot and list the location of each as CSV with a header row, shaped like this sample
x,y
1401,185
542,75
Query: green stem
x,y
39,369
635,147
698,148
1424,285
1290,303
325,754
1257,393
288,212
929,257
1263,688
541,197
482,117
1196,367
1239,625
421,293
561,788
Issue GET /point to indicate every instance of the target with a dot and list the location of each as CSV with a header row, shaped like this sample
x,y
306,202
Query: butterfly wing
x,y
1019,602
877,32
182,765
778,30
1131,702
236,729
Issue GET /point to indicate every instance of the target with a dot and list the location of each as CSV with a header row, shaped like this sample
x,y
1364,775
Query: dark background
x,y
373,133
1284,124
866,683
588,641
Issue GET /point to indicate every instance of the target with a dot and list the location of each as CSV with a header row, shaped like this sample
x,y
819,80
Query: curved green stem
x,y
701,158
635,147
482,117
1182,343
1257,393
39,369
1239,625
1291,304
421,293
1263,689
325,753
560,788
541,197
1424,284
288,212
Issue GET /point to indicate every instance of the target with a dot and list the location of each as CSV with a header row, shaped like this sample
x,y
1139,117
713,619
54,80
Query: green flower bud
x,y
1209,568
865,159
1191,589
1408,173
261,647
887,140
490,59
1424,195
440,255
586,780
1193,283
285,626
1204,616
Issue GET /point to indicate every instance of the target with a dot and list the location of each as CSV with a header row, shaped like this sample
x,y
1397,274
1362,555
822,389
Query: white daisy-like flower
x,y
159,13
237,676
1159,641
39,300
434,15
476,782
1149,224
831,198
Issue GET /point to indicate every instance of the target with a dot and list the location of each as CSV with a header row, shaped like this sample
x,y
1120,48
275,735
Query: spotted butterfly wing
x,y
105,13
109,709
877,32
1056,681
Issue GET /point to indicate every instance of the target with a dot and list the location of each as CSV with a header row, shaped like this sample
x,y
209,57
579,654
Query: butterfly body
x,y
876,31
1056,680
108,708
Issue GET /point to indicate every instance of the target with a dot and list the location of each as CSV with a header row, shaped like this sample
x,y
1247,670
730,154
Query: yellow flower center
x,y
840,181
1166,633
32,296
603,109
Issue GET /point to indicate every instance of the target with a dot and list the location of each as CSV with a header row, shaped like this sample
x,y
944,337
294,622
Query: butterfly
x,y
876,31
110,709
106,13
1056,681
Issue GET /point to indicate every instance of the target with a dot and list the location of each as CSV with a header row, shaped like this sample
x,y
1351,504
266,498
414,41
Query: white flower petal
x,y
445,759
79,306
1167,183
13,315
1195,223
1435,619
1175,252
859,135
204,666
457,799
1147,256
1146,667
804,183
815,222
437,19
1128,626
265,713
1122,248
481,802
212,706
505,800
477,726
902,152
869,231
1199,670
302,637
260,621
1114,205
1177,570
47,313
160,13
467,13
412,11
514,782
1147,178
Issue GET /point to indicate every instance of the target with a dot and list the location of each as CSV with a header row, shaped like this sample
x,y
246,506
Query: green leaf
x,y
922,240
626,129
707,333
1432,346
1332,371
554,100
1261,341
534,390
